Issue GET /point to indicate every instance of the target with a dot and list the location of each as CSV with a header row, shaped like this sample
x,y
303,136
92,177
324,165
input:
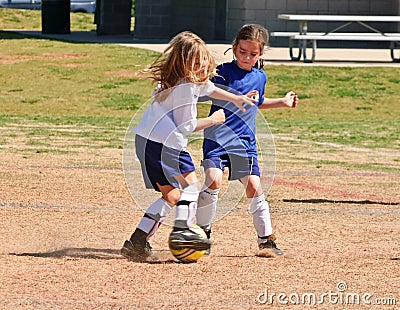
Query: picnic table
x,y
303,36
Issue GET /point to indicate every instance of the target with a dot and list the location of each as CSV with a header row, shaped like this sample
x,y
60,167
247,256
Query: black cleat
x,y
185,238
269,249
137,252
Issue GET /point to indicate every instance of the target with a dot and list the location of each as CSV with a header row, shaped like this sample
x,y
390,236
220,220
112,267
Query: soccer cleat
x,y
137,252
269,249
185,238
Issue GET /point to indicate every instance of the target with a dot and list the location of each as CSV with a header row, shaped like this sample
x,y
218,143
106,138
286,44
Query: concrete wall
x,y
113,17
194,15
221,19
162,19
153,19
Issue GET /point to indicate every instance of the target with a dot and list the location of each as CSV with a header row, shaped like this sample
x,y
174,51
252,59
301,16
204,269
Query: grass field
x,y
59,82
65,209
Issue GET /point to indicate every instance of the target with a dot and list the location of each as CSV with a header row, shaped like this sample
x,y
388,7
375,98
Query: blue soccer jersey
x,y
237,135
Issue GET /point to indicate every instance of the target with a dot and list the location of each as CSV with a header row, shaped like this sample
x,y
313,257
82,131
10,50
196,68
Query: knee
x,y
253,188
172,197
213,178
251,191
214,185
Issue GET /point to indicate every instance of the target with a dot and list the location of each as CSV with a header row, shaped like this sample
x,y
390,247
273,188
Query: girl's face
x,y
200,68
247,53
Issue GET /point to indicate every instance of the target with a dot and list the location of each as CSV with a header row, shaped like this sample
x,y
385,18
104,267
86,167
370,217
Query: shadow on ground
x,y
90,253
76,253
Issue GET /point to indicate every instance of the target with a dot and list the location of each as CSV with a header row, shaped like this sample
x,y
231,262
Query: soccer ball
x,y
187,255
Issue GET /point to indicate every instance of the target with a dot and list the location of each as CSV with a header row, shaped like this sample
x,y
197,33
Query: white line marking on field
x,y
341,146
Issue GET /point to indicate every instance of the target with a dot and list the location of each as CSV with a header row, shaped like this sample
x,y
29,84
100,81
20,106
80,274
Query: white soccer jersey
x,y
170,121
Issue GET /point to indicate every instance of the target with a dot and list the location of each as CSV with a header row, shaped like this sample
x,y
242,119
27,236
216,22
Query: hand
x,y
241,99
218,116
253,94
291,99
237,100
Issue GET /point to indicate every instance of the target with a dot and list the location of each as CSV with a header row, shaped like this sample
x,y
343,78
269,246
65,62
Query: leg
x,y
393,47
137,248
171,196
156,213
259,209
182,236
258,206
208,198
171,169
292,57
186,204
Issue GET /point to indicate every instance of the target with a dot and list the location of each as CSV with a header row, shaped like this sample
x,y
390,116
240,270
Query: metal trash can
x,y
56,16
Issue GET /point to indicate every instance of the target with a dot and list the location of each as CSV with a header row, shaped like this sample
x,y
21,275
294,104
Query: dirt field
x,y
64,218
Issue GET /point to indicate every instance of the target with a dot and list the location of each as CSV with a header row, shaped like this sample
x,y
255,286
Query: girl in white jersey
x,y
183,74
233,144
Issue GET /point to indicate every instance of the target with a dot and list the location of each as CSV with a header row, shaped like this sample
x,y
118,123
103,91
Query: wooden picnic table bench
x,y
303,36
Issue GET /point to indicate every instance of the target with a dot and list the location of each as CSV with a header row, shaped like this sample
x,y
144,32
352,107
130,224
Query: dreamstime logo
x,y
341,296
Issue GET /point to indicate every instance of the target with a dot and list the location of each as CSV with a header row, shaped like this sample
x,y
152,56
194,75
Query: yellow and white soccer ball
x,y
187,255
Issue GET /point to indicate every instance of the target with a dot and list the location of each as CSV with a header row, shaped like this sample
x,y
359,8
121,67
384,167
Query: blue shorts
x,y
239,166
160,164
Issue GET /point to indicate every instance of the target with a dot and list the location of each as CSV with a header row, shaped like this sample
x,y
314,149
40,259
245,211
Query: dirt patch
x,y
65,216
14,59
123,73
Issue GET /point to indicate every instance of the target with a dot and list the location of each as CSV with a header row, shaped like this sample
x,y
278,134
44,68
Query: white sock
x,y
154,216
259,208
206,208
186,207
185,215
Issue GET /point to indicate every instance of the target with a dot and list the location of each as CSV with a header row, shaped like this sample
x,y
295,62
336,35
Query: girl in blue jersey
x,y
183,74
233,144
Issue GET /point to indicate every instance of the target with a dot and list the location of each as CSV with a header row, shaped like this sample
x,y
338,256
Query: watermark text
x,y
340,296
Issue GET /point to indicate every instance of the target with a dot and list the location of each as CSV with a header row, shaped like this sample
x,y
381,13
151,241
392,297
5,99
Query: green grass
x,y
51,78
353,106
32,20
96,89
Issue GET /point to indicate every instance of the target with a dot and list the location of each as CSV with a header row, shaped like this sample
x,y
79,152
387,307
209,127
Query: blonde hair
x,y
178,62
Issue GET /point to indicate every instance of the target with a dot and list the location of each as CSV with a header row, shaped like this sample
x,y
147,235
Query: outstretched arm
x,y
237,100
289,101
217,118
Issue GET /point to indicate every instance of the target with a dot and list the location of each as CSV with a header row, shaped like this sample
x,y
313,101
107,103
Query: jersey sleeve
x,y
184,110
220,78
206,88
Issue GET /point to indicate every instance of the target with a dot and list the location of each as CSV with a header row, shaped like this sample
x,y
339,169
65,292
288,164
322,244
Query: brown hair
x,y
253,32
178,61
